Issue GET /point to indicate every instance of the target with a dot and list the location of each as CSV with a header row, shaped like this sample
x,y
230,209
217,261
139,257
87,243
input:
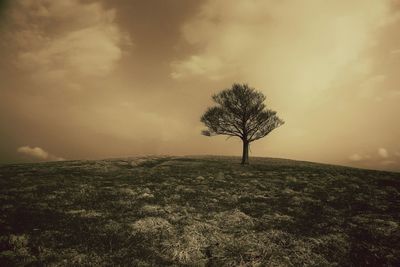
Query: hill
x,y
203,211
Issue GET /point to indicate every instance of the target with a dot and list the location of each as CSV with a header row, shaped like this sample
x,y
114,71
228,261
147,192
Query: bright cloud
x,y
359,157
86,40
38,153
253,37
356,157
382,152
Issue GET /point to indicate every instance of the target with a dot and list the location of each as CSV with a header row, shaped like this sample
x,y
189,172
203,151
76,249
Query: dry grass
x,y
152,226
197,211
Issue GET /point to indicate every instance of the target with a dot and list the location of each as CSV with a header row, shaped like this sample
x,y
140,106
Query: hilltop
x,y
204,211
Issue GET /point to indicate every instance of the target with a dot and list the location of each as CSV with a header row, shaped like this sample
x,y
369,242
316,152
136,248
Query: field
x,y
197,211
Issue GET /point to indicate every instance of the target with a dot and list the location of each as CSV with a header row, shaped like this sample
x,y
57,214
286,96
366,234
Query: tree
x,y
240,112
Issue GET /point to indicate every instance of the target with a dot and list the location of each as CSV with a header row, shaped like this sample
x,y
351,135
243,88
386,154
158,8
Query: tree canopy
x,y
240,111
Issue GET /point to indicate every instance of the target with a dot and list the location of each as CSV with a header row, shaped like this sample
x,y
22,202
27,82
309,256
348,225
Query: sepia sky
x,y
113,78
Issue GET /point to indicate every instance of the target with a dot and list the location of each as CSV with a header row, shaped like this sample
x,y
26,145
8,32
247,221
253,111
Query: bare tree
x,y
240,111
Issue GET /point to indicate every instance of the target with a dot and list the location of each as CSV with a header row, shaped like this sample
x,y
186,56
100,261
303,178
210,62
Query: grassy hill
x,y
202,211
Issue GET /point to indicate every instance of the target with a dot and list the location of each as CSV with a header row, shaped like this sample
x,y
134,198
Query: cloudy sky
x,y
83,79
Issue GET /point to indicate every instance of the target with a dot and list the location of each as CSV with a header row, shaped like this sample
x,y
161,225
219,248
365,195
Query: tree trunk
x,y
245,155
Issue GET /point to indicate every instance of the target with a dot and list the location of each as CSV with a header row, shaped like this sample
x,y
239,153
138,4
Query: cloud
x,y
197,65
382,152
395,52
38,153
356,157
382,160
388,162
300,54
359,157
371,86
253,37
65,39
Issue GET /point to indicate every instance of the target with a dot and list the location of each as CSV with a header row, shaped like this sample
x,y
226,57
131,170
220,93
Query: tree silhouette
x,y
240,111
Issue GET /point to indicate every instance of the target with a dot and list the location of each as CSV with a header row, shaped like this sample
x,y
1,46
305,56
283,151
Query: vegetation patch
x,y
197,211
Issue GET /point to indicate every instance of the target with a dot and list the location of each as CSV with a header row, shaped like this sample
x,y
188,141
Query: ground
x,y
197,211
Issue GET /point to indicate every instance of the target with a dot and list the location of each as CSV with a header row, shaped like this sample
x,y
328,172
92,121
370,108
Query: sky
x,y
85,79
